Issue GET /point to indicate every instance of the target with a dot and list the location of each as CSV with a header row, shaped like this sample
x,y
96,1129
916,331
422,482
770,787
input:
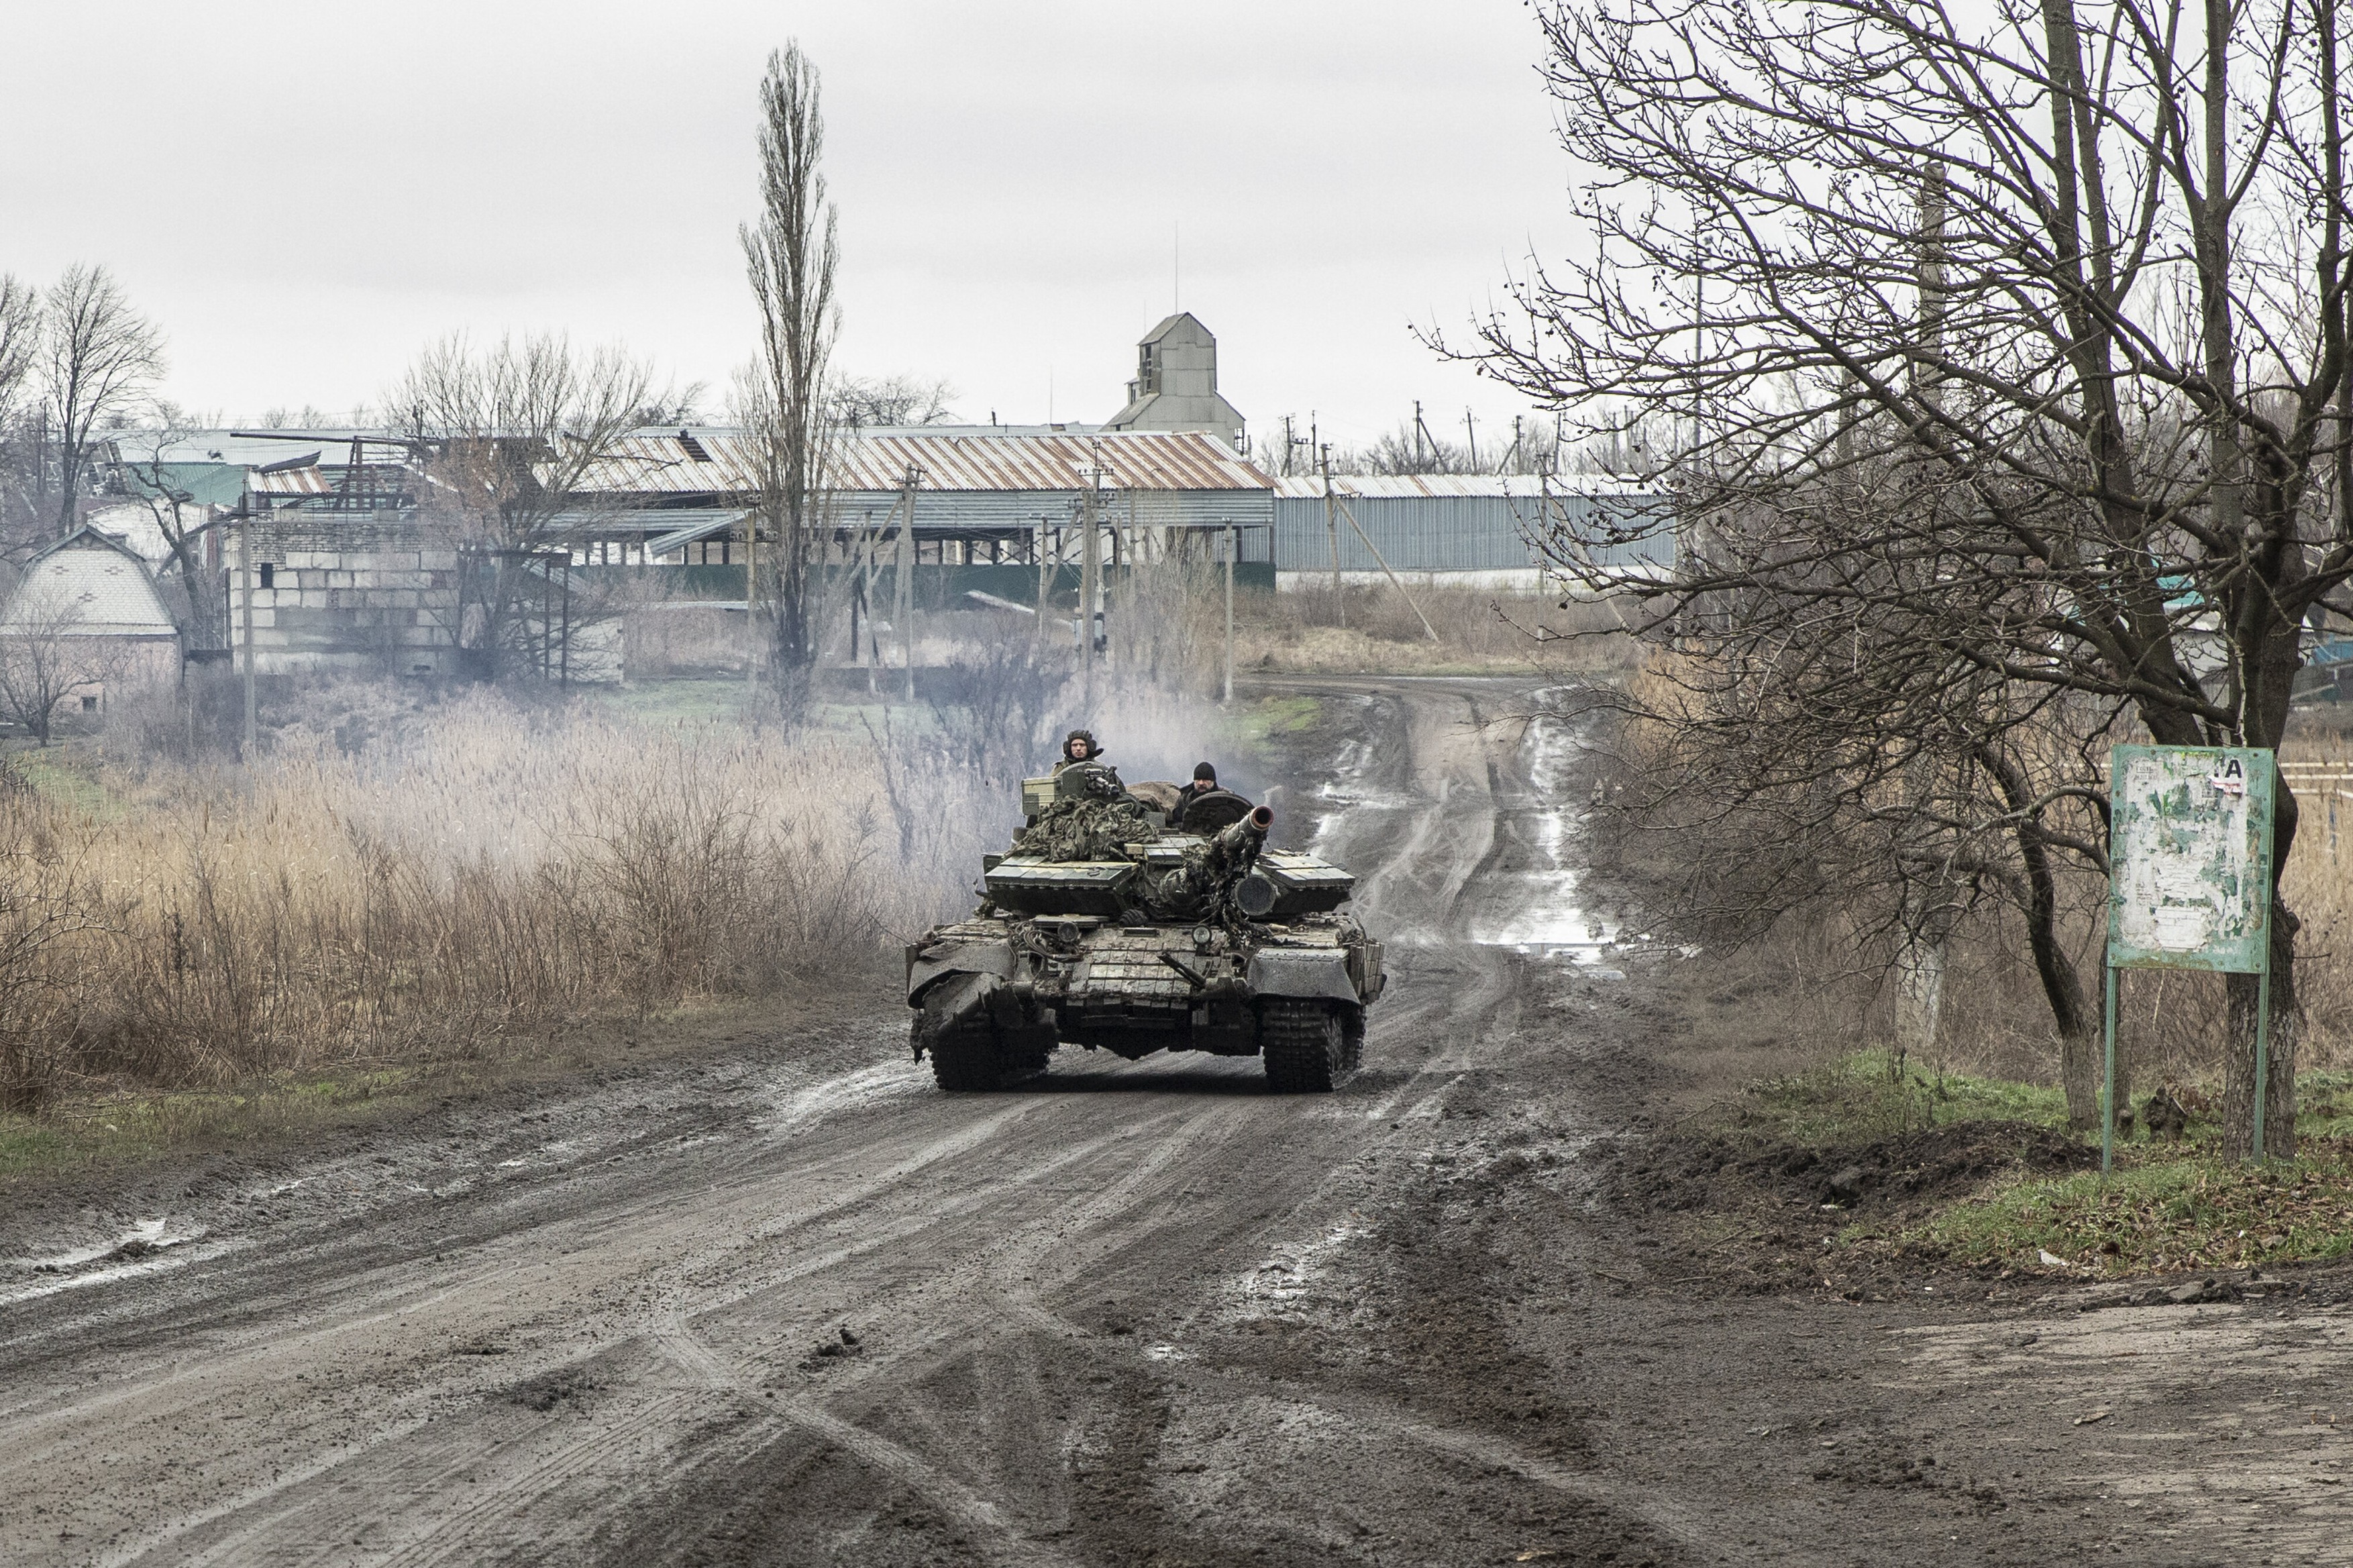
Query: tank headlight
x,y
1204,938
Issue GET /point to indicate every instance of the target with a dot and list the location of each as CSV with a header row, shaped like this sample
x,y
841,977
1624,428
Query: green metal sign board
x,y
2189,882
2189,848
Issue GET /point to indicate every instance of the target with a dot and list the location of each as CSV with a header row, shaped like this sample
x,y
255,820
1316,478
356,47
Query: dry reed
x,y
488,870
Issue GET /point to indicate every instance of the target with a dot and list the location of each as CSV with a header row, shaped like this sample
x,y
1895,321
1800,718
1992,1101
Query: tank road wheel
x,y
964,1056
1306,1048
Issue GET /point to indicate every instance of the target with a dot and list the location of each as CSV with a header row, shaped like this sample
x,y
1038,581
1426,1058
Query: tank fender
x,y
1306,972
949,997
927,963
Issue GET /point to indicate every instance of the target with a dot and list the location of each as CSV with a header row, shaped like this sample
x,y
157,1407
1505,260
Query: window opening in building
x,y
268,574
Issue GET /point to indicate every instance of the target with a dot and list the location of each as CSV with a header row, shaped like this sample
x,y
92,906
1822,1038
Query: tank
x,y
1108,929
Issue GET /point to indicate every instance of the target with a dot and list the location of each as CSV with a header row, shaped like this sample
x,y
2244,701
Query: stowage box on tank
x,y
1106,929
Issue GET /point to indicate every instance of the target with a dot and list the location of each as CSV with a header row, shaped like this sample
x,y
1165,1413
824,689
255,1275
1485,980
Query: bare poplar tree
x,y
2108,465
507,436
20,328
790,253
21,457
98,355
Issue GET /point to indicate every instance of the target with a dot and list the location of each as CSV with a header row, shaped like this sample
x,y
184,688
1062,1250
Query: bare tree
x,y
179,517
2064,280
22,451
506,436
790,253
20,329
872,402
44,660
1413,449
98,357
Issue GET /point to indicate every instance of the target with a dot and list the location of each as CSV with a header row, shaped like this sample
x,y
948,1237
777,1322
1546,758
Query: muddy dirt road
x,y
789,1304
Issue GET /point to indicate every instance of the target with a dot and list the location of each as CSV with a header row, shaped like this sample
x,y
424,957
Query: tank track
x,y
1308,1048
968,1055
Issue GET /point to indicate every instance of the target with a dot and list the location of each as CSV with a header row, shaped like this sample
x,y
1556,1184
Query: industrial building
x,y
1176,385
1487,531
350,567
989,507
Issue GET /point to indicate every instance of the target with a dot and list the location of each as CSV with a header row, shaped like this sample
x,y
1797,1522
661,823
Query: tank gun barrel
x,y
1234,847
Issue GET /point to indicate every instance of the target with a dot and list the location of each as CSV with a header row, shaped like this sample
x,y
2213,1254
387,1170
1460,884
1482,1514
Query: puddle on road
x,y
808,1103
1546,919
1284,1279
149,1246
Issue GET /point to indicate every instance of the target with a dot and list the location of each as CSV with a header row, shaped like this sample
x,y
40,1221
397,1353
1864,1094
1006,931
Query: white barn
x,y
89,604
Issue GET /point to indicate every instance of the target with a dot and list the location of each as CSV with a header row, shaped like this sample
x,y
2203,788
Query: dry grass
x,y
1311,631
487,870
1813,987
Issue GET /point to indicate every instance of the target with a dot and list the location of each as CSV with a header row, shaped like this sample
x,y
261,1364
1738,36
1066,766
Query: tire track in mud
x,y
509,1507
980,1244
492,1496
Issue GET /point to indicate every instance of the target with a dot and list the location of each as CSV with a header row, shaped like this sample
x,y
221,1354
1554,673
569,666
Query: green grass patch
x,y
91,1130
2167,1208
1272,716
1859,1099
68,773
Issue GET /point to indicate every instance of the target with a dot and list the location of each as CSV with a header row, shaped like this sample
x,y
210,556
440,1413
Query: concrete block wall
x,y
361,592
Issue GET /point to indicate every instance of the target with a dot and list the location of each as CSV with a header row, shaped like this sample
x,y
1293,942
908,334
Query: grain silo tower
x,y
1176,385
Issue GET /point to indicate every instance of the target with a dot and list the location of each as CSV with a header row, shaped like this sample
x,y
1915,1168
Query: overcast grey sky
x,y
302,194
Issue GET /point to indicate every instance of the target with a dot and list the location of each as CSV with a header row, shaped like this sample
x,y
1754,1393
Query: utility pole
x,y
1290,442
1038,630
1233,549
244,564
1332,523
1090,576
1417,435
1473,432
905,612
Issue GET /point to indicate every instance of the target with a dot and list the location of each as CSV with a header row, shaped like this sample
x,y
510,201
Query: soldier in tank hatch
x,y
1079,746
1204,781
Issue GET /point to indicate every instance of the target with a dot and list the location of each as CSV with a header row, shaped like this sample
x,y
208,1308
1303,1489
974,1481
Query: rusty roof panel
x,y
1436,487
1129,461
304,482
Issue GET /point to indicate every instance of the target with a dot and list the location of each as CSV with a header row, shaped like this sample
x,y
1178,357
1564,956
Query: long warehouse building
x,y
1484,529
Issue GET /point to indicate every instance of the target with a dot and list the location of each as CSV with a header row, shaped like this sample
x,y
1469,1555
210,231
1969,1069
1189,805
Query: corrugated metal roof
x,y
1399,487
304,481
86,585
220,446
1155,460
708,525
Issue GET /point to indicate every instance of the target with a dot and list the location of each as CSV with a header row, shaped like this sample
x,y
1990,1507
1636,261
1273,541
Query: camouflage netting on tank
x,y
1082,829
